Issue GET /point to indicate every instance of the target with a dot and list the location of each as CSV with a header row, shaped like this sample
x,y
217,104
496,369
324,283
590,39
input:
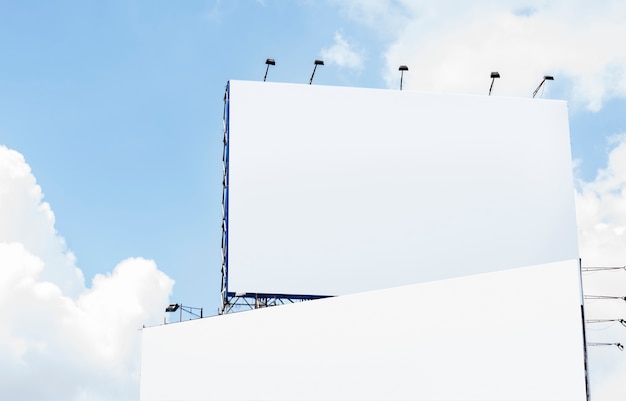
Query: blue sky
x,y
117,106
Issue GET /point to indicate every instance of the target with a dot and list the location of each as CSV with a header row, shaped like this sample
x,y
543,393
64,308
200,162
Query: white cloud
x,y
343,54
602,212
384,17
601,209
454,45
28,220
58,339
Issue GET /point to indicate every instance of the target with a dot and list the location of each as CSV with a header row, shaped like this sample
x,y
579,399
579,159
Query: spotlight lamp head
x,y
269,61
605,297
601,268
316,63
172,308
545,78
618,345
620,321
494,75
402,69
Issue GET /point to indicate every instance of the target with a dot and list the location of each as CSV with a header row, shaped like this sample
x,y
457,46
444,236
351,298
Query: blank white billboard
x,y
510,335
337,190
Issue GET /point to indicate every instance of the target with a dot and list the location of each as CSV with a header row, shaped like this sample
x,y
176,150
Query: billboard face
x,y
514,334
338,190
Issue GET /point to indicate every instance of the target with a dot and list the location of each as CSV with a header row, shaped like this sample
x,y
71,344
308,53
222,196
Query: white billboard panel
x,y
337,190
514,334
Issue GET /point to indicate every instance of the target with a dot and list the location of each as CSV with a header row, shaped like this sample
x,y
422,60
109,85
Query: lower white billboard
x,y
515,334
335,190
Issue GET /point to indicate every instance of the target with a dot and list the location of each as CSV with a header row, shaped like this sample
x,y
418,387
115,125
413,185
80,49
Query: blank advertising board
x,y
510,335
335,190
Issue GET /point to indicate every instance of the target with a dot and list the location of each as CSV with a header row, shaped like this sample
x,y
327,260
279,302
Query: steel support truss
x,y
225,153
237,302
230,301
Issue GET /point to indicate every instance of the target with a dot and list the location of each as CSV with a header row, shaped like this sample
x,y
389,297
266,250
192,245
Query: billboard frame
x,y
248,300
276,174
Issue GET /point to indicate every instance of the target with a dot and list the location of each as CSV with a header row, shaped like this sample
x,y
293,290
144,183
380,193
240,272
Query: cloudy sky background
x,y
110,151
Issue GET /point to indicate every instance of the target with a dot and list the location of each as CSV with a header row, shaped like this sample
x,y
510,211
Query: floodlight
x,y
316,63
604,297
618,345
269,61
402,69
545,78
600,268
621,321
494,75
183,308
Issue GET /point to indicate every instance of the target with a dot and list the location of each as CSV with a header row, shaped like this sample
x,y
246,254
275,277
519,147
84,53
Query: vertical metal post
x,y
493,76
582,316
402,69
266,70
312,75
269,61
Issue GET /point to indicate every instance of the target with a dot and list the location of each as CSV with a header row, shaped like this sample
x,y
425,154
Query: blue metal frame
x,y
225,156
261,295
229,299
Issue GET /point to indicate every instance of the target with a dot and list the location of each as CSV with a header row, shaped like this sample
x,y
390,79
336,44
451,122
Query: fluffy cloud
x,y
383,16
343,54
27,220
58,339
453,45
601,208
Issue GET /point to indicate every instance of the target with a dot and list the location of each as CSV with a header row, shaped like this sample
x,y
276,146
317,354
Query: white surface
x,y
339,190
510,335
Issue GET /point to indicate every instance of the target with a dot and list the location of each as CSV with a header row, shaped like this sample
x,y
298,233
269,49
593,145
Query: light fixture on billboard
x,y
618,345
316,63
621,321
402,69
545,78
604,297
188,309
600,268
494,75
269,61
